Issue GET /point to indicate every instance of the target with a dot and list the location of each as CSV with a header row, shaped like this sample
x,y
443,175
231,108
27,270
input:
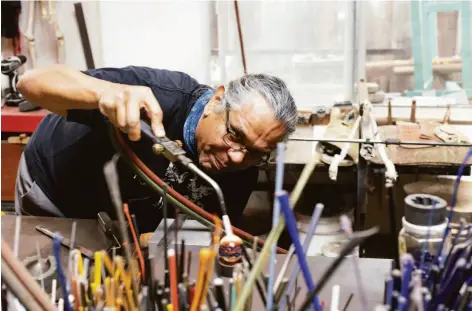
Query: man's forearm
x,y
59,88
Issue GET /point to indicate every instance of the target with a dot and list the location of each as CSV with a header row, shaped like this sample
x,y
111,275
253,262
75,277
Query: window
x,y
302,42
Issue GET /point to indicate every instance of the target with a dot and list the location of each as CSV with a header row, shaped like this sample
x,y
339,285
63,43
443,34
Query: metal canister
x,y
419,209
423,228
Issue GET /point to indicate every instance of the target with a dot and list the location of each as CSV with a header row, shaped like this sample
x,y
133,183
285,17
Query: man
x,y
228,132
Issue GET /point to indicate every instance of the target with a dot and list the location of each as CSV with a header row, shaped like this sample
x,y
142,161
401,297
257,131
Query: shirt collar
x,y
191,123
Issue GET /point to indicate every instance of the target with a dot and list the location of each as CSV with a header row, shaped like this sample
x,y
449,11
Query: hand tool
x,y
174,153
106,224
66,242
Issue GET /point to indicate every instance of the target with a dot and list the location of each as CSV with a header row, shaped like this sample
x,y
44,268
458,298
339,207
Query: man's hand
x,y
122,105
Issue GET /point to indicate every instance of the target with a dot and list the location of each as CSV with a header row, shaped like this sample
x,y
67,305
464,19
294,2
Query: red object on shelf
x,y
21,122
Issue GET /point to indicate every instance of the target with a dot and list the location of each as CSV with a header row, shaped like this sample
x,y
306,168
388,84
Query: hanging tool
x,y
367,125
106,224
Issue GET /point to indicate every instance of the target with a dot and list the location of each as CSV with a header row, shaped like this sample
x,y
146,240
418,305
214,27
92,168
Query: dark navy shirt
x,y
65,156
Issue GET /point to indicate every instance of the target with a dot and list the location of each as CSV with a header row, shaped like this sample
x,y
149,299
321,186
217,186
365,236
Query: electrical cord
x,y
153,181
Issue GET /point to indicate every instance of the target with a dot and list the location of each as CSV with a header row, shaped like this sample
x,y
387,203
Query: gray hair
x,y
271,88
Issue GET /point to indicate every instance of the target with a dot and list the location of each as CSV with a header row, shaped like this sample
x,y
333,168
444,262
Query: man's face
x,y
251,133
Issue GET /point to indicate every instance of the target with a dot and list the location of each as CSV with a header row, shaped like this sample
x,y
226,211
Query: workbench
x,y
369,196
14,121
90,236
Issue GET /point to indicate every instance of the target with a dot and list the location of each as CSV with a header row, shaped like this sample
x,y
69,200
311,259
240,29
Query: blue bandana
x,y
194,116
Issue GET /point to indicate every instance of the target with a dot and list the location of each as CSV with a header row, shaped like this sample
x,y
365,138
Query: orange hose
x,y
135,238
137,161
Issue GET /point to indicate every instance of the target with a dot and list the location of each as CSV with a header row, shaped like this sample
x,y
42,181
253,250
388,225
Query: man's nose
x,y
236,156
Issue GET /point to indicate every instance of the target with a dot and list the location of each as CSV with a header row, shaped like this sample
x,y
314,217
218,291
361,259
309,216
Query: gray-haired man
x,y
227,131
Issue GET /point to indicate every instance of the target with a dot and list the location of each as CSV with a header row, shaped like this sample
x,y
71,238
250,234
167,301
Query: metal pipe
x,y
385,142
385,64
194,168
212,183
421,106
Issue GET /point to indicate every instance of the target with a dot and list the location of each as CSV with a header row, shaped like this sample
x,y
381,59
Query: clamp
x,y
369,132
106,224
170,149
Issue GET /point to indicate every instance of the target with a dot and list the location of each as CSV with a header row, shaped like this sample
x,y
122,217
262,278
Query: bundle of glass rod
x,y
114,283
448,286
279,292
111,282
445,283
127,283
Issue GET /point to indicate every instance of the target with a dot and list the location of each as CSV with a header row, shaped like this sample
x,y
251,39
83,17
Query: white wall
x,y
162,34
45,35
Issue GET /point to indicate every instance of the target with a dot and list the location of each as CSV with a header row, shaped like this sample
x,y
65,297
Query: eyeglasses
x,y
234,140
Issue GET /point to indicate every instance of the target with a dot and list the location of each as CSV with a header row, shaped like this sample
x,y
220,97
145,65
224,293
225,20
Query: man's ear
x,y
215,101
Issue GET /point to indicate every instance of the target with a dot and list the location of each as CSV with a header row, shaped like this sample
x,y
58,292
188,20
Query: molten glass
x,y
230,250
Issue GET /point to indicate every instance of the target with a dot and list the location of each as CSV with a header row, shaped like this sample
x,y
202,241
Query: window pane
x,y
301,42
